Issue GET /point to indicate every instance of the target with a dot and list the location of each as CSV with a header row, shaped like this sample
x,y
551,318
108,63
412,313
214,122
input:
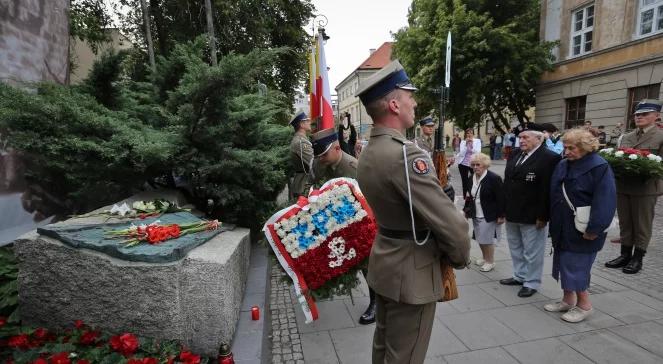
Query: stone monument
x,y
195,300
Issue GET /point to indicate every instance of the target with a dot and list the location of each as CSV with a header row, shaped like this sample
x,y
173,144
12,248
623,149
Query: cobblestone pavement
x,y
490,324
286,343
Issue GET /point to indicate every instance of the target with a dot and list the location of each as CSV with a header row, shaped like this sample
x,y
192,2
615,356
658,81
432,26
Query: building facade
x,y
610,56
34,41
347,101
83,57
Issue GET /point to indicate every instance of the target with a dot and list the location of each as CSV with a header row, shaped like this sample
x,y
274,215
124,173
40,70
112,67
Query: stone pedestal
x,y
195,300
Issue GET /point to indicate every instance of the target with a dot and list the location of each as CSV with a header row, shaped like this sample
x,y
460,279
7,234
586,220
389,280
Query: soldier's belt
x,y
402,234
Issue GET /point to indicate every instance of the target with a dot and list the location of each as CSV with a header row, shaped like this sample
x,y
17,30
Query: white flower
x,y
659,159
120,210
619,153
150,206
138,205
607,150
633,156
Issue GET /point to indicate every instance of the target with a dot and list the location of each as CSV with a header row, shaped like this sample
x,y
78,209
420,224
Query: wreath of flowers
x,y
633,163
322,237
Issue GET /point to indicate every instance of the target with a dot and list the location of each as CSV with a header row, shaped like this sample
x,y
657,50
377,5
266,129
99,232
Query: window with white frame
x,y
582,30
650,17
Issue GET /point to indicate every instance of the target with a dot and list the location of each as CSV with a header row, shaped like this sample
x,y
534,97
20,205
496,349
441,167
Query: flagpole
x,y
439,154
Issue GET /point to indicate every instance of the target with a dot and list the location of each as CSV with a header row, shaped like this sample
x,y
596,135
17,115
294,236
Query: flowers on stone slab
x,y
156,233
633,163
138,209
84,345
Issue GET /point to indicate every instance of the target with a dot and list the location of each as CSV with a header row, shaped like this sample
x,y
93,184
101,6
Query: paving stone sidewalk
x,y
490,324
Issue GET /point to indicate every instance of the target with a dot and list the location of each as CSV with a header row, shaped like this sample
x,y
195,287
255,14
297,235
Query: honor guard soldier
x,y
417,223
425,141
332,162
301,155
636,198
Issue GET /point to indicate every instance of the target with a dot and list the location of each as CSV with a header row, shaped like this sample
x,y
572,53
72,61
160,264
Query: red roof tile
x,y
380,58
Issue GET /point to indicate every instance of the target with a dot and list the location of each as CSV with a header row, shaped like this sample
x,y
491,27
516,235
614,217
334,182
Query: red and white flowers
x,y
322,237
156,233
633,163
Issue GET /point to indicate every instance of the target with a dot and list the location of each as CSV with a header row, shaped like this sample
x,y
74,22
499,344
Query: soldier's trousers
x,y
636,216
402,331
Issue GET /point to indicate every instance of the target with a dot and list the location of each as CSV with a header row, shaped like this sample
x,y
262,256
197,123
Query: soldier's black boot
x,y
368,317
635,264
623,259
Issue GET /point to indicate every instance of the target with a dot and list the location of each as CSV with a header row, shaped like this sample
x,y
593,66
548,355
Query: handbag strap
x,y
478,187
566,197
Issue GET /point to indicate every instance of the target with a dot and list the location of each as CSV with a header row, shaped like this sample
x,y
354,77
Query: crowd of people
x,y
554,185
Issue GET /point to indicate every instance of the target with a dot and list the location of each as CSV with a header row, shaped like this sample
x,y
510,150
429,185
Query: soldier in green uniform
x,y
417,223
636,198
332,162
425,141
301,155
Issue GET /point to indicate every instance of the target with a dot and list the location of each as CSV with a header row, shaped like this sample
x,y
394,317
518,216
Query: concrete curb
x,y
251,342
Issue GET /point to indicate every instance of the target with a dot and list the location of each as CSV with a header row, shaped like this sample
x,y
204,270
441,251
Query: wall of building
x,y
619,60
614,23
351,104
35,40
607,94
83,57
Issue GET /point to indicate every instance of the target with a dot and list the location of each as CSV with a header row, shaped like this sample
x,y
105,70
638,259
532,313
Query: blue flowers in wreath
x,y
332,210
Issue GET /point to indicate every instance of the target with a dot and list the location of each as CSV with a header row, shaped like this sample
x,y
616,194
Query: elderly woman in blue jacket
x,y
587,180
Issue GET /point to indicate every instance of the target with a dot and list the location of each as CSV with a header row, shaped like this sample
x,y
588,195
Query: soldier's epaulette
x,y
401,140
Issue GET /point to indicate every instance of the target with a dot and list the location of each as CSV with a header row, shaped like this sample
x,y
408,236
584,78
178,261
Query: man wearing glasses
x,y
636,198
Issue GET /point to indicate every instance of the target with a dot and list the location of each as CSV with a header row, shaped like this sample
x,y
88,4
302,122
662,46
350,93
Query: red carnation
x,y
40,361
143,361
40,333
60,358
20,341
188,357
3,321
125,344
89,338
78,324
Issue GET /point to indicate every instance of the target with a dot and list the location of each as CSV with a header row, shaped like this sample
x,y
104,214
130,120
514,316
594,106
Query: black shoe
x,y
623,259
511,282
635,265
526,292
368,317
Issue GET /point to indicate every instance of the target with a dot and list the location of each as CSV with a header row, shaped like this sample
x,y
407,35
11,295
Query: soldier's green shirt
x,y
346,167
301,158
426,143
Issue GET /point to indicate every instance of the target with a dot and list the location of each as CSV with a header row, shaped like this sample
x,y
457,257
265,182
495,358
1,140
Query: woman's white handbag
x,y
581,214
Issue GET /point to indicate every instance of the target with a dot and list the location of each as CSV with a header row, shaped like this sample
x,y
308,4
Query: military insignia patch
x,y
420,166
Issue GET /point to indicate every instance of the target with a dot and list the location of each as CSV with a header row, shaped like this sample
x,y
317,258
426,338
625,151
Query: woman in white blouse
x,y
469,146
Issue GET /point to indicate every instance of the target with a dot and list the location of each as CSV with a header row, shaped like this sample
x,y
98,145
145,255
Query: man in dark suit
x,y
527,190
